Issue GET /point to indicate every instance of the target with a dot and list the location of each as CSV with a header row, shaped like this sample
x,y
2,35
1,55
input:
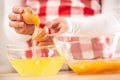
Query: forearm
x,y
105,23
95,25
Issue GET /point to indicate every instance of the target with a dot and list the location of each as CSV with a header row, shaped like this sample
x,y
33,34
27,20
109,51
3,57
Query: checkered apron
x,y
51,9
91,47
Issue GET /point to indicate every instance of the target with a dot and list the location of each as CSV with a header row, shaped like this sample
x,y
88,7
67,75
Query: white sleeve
x,y
105,23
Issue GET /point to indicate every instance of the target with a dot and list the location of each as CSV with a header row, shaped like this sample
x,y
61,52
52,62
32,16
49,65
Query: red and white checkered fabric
x,y
91,48
82,48
50,9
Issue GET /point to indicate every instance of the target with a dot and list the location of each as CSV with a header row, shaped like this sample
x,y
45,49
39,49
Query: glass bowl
x,y
34,61
87,54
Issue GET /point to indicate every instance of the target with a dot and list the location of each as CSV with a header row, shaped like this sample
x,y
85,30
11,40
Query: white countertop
x,y
63,75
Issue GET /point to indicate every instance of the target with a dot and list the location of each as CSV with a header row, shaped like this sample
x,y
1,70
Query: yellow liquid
x,y
38,66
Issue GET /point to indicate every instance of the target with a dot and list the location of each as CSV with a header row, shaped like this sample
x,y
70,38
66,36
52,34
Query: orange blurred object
x,y
29,17
39,34
95,66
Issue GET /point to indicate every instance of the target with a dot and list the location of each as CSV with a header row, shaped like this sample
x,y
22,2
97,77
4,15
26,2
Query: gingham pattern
x,y
50,9
85,48
92,48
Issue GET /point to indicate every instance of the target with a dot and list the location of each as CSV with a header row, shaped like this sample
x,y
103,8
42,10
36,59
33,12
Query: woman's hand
x,y
16,21
57,26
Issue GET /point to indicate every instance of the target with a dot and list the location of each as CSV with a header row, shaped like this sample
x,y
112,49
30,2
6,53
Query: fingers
x,y
17,9
53,23
28,9
56,33
27,29
52,26
16,21
15,24
15,17
16,13
57,27
20,30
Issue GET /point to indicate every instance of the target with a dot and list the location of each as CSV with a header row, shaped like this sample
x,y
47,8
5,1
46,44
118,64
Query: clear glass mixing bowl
x,y
38,61
87,54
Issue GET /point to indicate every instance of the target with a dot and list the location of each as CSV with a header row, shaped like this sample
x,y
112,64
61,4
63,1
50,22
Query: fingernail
x,y
18,17
21,23
20,10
